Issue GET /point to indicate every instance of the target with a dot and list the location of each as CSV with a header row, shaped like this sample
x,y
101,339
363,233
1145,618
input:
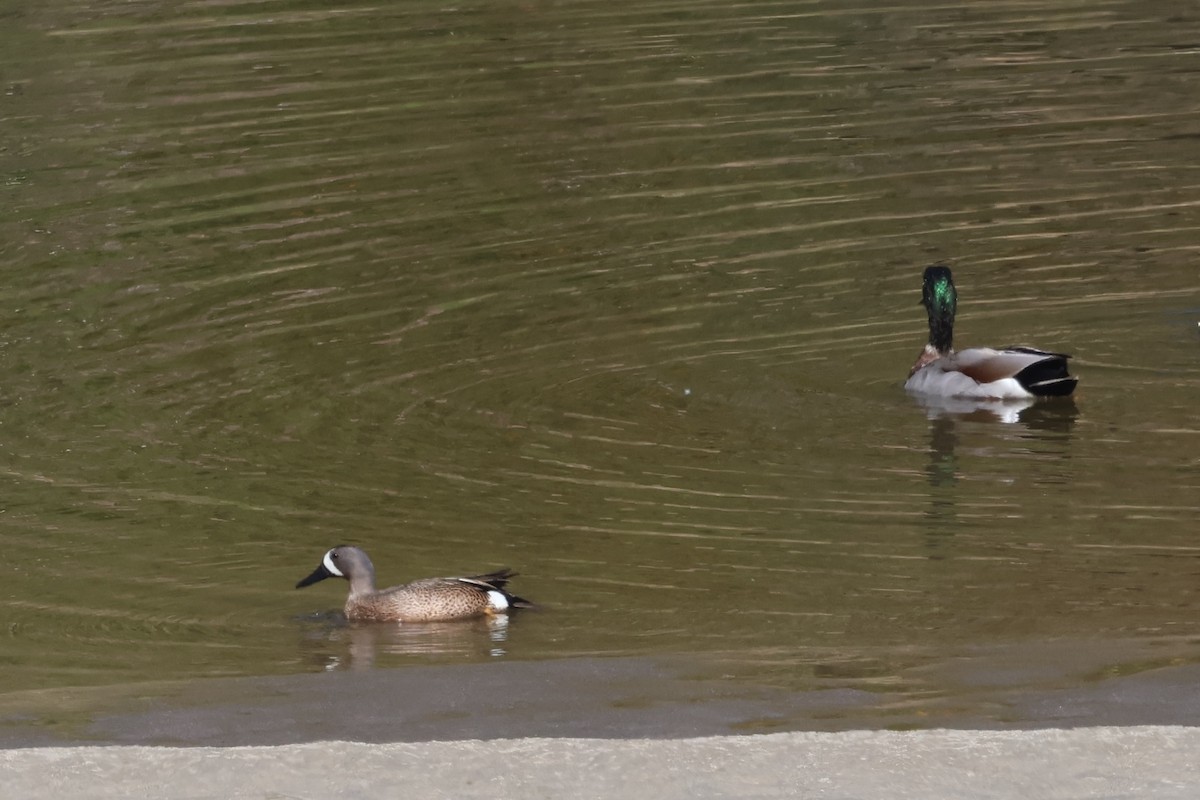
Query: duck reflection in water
x,y
331,642
1033,415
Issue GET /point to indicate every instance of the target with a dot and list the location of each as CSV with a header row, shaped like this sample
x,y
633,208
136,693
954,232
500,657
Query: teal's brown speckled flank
x,y
427,600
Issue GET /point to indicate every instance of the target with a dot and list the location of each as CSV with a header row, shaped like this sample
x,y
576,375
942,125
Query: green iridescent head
x,y
940,299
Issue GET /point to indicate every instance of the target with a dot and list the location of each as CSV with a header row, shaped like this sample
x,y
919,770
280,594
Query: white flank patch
x,y
328,562
497,600
1006,389
934,380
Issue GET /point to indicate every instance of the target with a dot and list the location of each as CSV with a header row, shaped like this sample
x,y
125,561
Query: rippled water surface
x,y
619,295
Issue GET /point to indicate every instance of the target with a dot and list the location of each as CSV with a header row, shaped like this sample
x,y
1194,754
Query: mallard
x,y
426,600
980,372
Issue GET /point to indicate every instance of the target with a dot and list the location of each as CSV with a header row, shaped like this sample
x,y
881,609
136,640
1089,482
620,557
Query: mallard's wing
x,y
1037,373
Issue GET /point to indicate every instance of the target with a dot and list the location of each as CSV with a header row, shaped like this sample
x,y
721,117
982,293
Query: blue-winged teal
x,y
980,372
427,600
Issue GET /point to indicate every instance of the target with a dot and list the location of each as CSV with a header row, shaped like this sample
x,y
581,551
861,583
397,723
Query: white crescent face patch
x,y
329,565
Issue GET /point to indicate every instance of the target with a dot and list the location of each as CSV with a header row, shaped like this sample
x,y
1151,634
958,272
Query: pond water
x,y
619,295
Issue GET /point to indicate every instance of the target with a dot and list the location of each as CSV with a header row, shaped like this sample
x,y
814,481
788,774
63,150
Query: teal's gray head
x,y
343,561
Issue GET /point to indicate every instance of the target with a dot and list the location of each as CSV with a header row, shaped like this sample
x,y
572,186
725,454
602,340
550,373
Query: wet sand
x,y
1031,687
613,728
1139,762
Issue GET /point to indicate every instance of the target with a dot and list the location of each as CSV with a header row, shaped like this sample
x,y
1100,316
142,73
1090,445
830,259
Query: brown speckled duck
x,y
427,600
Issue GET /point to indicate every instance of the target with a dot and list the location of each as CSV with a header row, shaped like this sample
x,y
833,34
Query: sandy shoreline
x,y
1108,762
610,728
